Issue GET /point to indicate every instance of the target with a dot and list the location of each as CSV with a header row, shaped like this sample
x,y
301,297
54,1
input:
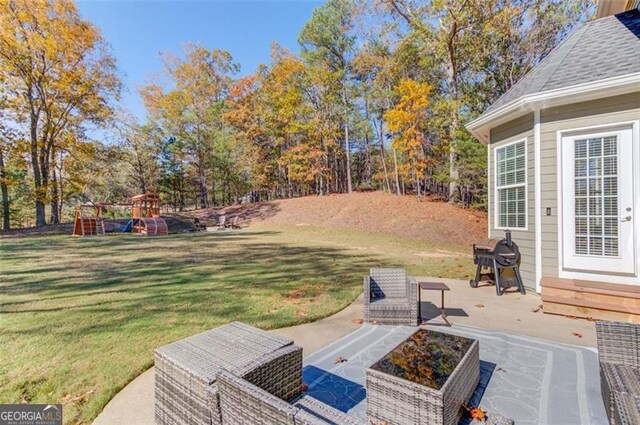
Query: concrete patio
x,y
527,379
533,356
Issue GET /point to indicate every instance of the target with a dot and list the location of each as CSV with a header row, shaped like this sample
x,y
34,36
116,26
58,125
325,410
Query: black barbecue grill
x,y
497,255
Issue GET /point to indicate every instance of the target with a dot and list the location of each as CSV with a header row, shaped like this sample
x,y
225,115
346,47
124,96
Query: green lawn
x,y
80,317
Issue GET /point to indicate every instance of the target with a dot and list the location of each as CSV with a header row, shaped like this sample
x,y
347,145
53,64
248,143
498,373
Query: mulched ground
x,y
369,211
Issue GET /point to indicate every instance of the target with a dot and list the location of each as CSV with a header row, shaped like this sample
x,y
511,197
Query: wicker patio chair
x,y
390,297
198,226
243,403
185,371
619,357
234,223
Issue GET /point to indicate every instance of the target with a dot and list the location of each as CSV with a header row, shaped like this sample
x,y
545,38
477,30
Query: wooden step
x,y
550,307
597,300
627,291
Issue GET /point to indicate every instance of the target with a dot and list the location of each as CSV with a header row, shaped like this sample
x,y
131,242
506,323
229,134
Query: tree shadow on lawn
x,y
252,281
85,314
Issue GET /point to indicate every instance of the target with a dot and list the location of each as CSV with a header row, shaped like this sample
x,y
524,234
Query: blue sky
x,y
139,30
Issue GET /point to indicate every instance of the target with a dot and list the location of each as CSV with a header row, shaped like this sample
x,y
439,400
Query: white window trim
x,y
599,277
496,218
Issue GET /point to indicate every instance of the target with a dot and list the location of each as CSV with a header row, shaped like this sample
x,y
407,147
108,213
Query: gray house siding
x,y
512,131
587,114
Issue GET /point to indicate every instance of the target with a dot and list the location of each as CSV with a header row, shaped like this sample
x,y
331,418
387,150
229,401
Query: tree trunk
x,y
55,211
213,192
395,166
452,76
37,172
60,188
181,192
384,158
203,190
368,168
6,204
346,142
415,175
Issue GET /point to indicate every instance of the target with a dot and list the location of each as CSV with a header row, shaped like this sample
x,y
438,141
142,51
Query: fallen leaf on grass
x,y
340,359
75,399
579,335
357,320
480,305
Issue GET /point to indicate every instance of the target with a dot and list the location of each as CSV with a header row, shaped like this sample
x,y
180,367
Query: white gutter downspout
x,y
538,200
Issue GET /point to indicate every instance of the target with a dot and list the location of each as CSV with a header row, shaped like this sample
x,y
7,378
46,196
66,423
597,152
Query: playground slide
x,y
127,228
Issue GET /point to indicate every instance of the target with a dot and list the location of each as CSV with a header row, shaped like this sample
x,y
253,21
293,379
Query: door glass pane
x,y
596,200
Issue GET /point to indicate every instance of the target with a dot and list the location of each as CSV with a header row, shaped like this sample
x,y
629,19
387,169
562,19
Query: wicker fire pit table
x,y
424,380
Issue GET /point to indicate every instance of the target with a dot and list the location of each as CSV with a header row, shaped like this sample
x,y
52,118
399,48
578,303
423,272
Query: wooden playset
x,y
145,217
88,225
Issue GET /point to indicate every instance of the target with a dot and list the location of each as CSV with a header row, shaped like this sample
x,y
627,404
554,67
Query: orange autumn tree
x,y
406,120
58,75
287,116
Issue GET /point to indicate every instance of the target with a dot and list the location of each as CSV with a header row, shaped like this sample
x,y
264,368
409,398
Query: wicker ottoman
x,y
185,369
404,389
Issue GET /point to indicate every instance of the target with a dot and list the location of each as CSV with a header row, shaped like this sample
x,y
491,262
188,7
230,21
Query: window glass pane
x,y
611,206
581,149
511,171
610,186
595,166
581,226
581,167
581,206
595,206
610,145
596,201
611,226
582,245
595,226
595,246
512,207
610,166
595,187
510,151
595,147
611,247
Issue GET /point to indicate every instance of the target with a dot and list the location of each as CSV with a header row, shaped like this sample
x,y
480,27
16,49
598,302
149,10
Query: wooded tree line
x,y
376,99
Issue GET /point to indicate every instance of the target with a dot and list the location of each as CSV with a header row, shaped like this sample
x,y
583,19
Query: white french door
x,y
597,203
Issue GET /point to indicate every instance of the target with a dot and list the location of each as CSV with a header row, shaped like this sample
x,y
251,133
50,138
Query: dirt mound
x,y
369,211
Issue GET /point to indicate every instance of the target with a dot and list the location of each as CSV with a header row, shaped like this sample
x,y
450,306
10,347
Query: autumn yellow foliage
x,y
406,120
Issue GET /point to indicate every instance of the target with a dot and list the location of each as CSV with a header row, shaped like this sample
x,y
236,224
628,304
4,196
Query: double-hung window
x,y
511,185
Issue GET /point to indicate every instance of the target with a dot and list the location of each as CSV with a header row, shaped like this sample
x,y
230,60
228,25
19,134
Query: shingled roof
x,y
598,50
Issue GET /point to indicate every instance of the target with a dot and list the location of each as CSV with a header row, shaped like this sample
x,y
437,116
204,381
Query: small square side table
x,y
433,286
